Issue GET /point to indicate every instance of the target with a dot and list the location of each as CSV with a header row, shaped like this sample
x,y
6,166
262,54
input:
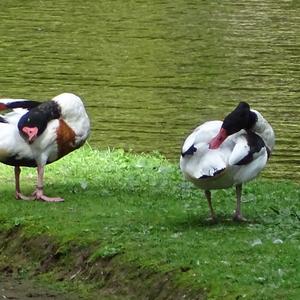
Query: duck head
x,y
240,118
32,124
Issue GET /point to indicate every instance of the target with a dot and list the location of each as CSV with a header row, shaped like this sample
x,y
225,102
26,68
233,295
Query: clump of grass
x,y
140,208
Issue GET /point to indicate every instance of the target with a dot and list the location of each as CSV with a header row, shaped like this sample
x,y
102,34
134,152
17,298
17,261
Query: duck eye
x,y
28,120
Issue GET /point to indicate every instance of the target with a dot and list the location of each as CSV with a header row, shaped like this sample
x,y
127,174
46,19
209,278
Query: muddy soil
x,y
109,276
11,288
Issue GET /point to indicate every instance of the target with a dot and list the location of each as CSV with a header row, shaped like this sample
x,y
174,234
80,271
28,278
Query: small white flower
x,y
176,235
83,185
261,279
256,242
277,241
280,272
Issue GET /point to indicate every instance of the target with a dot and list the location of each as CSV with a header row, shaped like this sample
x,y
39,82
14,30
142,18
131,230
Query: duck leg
x,y
213,217
39,192
19,195
238,215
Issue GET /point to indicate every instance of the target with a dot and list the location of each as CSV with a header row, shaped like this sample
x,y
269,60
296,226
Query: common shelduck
x,y
35,133
218,155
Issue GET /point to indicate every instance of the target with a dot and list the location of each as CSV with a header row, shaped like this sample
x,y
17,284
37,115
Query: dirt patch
x,y
109,277
11,288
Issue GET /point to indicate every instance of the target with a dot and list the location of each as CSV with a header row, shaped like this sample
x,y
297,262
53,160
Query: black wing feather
x,y
255,143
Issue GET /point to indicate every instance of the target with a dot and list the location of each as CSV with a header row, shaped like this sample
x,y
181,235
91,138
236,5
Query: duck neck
x,y
265,131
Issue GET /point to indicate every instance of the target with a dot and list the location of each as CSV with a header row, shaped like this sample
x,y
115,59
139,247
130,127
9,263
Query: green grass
x,y
141,208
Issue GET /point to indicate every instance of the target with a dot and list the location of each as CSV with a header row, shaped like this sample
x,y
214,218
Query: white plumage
x,y
219,155
34,134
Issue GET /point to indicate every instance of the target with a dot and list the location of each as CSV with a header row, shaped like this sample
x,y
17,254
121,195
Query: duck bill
x,y
31,133
217,141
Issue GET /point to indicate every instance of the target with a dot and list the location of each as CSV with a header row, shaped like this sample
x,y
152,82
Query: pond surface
x,y
150,71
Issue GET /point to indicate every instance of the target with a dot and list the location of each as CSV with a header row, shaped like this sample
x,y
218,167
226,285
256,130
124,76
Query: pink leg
x,y
19,195
213,217
238,215
39,192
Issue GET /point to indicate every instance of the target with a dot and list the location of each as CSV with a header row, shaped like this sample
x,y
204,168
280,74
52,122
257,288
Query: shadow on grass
x,y
223,220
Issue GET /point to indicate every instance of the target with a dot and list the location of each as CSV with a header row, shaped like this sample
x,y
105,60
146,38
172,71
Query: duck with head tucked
x,y
36,133
219,155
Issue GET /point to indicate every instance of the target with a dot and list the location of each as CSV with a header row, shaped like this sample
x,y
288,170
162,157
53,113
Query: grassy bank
x,y
137,213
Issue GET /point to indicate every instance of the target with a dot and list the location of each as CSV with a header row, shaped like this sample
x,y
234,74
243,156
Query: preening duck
x,y
38,133
218,155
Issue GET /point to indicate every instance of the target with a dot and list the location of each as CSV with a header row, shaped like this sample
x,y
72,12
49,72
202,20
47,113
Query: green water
x,y
150,71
